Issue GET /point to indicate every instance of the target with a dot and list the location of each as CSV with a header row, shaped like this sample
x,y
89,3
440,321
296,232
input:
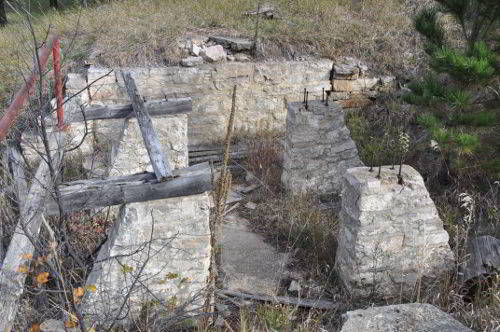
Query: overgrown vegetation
x,y
460,117
128,33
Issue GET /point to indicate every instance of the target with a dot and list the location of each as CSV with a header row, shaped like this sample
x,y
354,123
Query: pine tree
x,y
460,66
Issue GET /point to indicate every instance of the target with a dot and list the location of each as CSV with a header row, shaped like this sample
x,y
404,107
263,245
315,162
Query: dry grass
x,y
265,158
132,32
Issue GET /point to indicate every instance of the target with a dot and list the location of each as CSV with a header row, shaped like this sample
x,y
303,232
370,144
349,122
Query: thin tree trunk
x,y
3,14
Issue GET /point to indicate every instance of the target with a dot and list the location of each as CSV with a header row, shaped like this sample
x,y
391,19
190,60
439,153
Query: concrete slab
x,y
248,263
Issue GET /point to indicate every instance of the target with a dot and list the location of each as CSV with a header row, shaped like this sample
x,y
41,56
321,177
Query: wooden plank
x,y
17,166
151,141
214,152
11,279
217,157
154,108
90,194
484,258
307,303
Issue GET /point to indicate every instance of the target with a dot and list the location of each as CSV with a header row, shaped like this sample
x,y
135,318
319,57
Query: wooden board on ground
x,y
12,274
483,258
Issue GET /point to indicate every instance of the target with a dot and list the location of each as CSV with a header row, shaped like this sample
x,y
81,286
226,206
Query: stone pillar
x,y
161,253
391,235
157,251
318,148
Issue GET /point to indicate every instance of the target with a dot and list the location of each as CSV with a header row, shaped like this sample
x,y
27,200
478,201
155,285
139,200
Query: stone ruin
x,y
163,246
163,257
391,236
318,148
415,317
262,89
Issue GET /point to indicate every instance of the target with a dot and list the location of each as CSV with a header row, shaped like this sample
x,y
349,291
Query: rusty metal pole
x,y
14,108
56,57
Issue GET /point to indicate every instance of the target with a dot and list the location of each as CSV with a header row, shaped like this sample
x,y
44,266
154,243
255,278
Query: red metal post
x,y
14,108
56,55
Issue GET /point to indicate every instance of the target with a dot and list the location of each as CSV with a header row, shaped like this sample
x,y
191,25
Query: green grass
x,y
132,32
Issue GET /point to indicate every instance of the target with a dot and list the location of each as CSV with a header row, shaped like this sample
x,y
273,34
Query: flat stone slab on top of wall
x,y
177,268
412,317
390,235
318,148
262,88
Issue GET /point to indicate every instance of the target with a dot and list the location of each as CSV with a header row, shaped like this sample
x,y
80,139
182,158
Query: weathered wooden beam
x,y
17,166
151,141
307,303
90,194
216,157
483,258
12,276
154,108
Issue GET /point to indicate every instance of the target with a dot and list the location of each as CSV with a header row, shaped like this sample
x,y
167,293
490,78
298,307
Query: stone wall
x,y
391,235
262,89
165,245
318,148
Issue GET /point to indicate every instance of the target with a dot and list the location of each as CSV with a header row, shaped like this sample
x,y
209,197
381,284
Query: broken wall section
x,y
262,90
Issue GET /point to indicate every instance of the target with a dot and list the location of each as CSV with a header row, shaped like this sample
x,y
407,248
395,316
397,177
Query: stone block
x,y
129,154
213,53
360,84
192,61
346,71
415,317
391,235
318,149
157,253
233,43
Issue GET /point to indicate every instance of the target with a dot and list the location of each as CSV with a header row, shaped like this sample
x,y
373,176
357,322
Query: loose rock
x,y
192,61
213,53
415,317
235,44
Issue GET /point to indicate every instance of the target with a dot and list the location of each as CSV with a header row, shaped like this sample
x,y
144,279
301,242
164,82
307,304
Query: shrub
x,y
428,120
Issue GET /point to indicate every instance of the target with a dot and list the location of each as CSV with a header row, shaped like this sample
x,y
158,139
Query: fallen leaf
x,y
42,278
91,288
77,294
70,324
27,256
23,269
35,328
